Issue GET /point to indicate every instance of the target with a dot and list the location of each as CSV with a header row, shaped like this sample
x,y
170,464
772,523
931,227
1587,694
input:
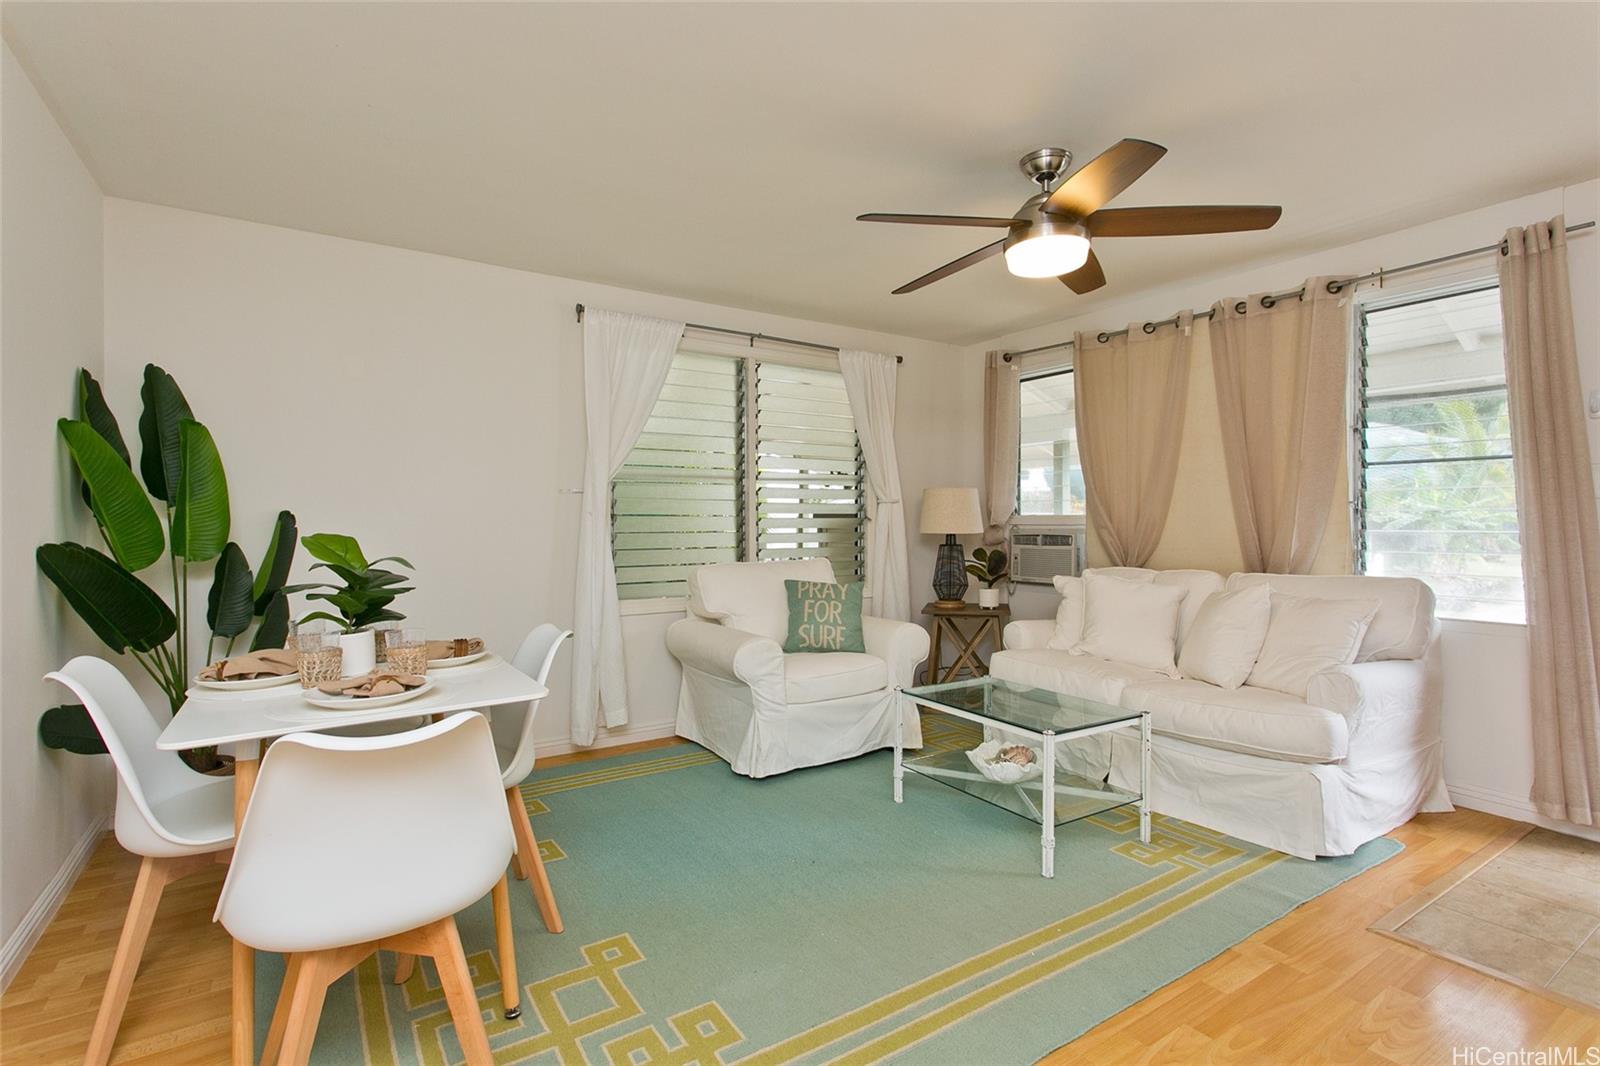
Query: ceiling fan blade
x,y
1103,177
1086,278
1170,221
942,220
951,267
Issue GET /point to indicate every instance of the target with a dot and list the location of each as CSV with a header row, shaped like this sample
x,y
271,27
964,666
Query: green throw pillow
x,y
824,616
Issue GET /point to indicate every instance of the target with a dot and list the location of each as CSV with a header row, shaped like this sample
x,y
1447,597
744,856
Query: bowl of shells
x,y
1006,763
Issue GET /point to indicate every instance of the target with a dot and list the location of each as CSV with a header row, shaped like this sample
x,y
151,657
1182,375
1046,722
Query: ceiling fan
x,y
1050,235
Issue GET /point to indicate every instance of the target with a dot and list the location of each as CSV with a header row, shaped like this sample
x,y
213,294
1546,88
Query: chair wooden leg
x,y
153,877
404,964
280,1014
305,1008
528,854
506,947
451,961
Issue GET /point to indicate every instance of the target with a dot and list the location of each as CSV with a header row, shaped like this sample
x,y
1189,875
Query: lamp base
x,y
949,573
950,605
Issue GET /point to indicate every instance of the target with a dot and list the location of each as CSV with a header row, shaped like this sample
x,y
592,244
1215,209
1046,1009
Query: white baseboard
x,y
32,926
1517,808
632,735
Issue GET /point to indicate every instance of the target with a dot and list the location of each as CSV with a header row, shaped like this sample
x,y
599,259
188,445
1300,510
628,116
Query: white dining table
x,y
240,722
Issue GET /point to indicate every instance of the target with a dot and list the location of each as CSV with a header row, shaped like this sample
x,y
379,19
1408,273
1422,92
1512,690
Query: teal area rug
x,y
807,918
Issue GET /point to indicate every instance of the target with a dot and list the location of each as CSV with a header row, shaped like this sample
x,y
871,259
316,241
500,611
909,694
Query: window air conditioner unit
x,y
1039,553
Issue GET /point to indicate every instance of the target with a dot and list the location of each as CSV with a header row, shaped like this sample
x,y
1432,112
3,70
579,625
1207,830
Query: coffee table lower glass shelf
x,y
1037,715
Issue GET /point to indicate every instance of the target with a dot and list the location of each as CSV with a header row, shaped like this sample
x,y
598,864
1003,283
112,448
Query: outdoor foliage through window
x,y
1050,474
1438,495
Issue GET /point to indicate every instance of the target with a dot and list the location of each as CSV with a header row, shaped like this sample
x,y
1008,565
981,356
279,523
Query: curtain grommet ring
x,y
1102,337
1505,247
1335,287
1149,327
1241,307
1267,301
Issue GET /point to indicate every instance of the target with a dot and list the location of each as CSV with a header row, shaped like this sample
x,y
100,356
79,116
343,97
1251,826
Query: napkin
x,y
377,683
450,649
269,662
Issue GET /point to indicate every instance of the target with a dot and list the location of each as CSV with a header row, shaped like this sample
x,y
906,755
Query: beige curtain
x,y
1130,393
1281,371
1557,520
1002,434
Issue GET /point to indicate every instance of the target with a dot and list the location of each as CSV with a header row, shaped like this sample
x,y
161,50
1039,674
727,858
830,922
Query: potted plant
x,y
360,601
182,471
990,566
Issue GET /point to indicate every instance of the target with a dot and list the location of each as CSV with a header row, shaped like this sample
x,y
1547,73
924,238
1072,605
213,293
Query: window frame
x,y
1046,368
748,355
1377,300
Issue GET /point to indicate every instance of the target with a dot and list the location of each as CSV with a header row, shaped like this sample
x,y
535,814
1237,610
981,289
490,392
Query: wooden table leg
x,y
246,761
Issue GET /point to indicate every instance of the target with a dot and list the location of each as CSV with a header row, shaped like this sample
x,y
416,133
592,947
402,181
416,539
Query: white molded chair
x,y
513,736
177,820
327,867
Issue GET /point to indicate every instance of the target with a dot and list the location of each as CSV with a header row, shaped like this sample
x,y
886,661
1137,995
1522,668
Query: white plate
x,y
247,683
457,660
352,703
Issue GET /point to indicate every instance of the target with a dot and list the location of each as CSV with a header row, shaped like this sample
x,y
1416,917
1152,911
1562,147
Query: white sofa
x,y
1358,756
766,712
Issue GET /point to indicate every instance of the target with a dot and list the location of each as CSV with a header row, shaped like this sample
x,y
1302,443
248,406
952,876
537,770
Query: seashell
x,y
1018,754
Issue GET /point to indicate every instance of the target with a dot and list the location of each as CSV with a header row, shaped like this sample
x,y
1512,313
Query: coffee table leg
x,y
1048,829
899,741
1144,778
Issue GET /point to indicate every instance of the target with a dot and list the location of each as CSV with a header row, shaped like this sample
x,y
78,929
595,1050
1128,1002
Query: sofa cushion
x,y
1255,721
750,597
1072,675
1307,636
812,677
1131,622
1404,625
1227,635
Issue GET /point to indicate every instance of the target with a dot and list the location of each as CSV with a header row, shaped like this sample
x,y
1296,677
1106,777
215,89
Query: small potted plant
x,y
361,601
990,566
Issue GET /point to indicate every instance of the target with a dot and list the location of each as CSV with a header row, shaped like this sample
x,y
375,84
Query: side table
x,y
987,624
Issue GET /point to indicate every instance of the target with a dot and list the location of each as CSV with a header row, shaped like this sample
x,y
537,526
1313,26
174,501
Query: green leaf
x,y
324,616
372,617
335,548
230,608
165,410
200,510
273,632
69,728
92,408
121,609
274,568
124,512
392,559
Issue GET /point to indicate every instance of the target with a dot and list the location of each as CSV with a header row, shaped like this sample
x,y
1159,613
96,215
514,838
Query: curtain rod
x,y
757,337
1271,298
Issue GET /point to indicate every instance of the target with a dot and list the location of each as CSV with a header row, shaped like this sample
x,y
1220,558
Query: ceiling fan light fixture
x,y
1048,255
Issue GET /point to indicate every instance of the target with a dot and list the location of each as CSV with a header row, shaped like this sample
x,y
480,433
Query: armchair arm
x,y
731,654
902,645
1029,633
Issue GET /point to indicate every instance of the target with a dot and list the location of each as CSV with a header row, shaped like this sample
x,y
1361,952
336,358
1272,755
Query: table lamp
x,y
952,512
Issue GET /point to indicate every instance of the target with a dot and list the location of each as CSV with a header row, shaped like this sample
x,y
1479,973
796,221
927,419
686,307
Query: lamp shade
x,y
951,511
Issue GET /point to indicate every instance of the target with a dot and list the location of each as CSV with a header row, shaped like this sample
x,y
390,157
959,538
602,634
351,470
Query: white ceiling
x,y
721,152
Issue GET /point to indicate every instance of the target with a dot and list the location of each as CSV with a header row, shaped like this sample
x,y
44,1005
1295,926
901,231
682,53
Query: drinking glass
x,y
381,631
406,650
316,653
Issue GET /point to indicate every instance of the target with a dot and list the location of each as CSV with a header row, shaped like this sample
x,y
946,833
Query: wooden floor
x,y
1315,986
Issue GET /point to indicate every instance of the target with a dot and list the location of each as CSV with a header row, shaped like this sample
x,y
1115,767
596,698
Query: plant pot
x,y
358,653
988,598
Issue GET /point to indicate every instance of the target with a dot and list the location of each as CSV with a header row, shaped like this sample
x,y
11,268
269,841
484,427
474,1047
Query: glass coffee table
x,y
1039,715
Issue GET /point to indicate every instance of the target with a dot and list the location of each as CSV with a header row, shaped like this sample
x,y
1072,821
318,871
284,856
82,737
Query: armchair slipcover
x,y
766,712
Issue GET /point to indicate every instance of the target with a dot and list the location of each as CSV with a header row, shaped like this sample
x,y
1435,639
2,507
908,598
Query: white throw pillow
x,y
1131,622
1226,636
1069,613
1307,636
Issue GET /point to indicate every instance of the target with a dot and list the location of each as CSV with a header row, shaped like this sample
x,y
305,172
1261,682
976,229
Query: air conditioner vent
x,y
1038,554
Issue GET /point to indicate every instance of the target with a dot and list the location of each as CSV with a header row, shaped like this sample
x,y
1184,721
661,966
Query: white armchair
x,y
766,712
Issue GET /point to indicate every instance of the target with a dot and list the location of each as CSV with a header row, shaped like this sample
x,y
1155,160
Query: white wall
x,y
1488,737
431,407
49,326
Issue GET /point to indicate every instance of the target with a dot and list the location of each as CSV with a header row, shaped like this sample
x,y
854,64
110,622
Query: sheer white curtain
x,y
625,362
869,379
